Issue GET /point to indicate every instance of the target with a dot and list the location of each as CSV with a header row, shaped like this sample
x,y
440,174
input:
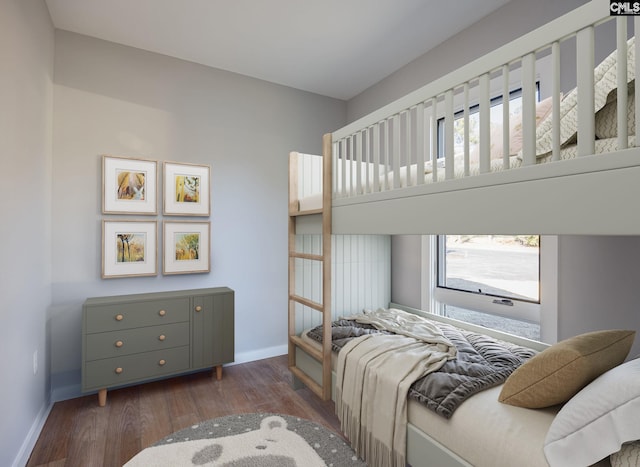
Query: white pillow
x,y
628,456
596,421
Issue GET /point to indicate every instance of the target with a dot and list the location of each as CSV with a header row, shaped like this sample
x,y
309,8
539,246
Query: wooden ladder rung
x,y
310,349
309,212
307,302
307,380
295,254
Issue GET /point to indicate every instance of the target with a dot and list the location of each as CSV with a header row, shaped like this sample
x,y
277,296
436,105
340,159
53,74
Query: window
x,y
516,310
495,117
505,266
490,280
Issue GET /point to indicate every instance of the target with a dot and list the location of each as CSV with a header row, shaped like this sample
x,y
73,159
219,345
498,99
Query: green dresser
x,y
129,339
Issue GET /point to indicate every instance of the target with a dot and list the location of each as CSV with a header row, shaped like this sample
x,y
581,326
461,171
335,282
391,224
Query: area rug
x,y
250,440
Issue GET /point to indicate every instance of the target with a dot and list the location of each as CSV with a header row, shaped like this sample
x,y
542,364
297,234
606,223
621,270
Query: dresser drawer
x,y
130,341
136,314
131,368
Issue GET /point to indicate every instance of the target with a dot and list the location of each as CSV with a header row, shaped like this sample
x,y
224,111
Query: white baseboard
x,y
30,441
253,355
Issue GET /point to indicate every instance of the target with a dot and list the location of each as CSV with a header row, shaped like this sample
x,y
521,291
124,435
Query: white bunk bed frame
x,y
364,191
597,191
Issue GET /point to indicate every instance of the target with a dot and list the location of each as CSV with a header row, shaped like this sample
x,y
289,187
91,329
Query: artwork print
x,y
186,247
129,186
129,248
187,189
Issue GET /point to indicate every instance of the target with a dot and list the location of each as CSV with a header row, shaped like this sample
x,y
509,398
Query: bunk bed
x,y
569,164
398,139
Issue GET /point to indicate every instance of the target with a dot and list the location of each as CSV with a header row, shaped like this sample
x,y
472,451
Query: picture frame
x,y
129,248
129,185
187,247
187,189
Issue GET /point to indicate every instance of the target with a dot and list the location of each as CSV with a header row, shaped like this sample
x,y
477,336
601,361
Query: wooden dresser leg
x,y
102,397
219,372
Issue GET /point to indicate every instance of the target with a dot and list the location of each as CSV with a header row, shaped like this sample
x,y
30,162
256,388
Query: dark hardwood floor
x,y
80,433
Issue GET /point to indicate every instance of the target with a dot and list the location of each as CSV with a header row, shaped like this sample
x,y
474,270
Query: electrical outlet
x,y
35,362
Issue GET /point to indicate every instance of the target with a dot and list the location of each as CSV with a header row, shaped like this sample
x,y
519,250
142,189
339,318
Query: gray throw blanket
x,y
481,362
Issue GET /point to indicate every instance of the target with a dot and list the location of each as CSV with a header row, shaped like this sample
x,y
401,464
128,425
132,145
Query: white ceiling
x,y
336,48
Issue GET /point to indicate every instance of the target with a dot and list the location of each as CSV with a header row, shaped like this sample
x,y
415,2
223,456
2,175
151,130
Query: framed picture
x,y
186,189
129,186
186,247
129,248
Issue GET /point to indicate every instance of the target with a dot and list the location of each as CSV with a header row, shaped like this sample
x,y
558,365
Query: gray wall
x,y
598,280
112,99
26,102
503,25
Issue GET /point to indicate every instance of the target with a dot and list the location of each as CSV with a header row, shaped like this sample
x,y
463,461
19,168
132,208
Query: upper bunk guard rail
x,y
587,15
300,187
389,150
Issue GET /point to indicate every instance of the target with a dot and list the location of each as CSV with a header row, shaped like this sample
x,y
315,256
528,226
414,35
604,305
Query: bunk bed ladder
x,y
322,389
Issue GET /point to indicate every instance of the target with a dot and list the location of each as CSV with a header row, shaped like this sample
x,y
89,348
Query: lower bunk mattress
x,y
480,430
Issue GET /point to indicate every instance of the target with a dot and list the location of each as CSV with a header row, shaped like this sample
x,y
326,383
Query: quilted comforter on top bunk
x,y
482,362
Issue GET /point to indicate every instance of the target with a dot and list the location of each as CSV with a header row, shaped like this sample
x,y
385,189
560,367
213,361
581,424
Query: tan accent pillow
x,y
557,373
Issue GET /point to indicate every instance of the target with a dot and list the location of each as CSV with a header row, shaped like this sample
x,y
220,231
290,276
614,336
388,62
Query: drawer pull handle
x,y
118,370
119,344
161,362
119,317
162,312
162,337
198,308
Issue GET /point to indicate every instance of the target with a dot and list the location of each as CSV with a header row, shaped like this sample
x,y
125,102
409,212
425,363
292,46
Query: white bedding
x,y
473,429
310,203
484,431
